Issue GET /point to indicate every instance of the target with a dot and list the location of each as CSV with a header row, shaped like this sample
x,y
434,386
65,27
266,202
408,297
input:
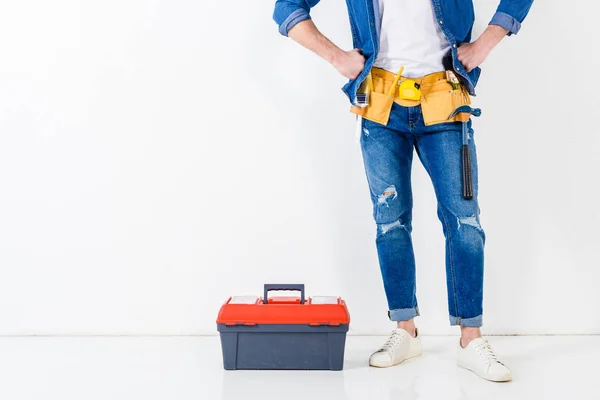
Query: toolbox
x,y
287,332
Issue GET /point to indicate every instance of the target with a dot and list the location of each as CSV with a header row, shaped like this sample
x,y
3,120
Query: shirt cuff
x,y
297,16
507,22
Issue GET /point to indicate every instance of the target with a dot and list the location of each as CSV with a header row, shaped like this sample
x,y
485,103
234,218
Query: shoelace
x,y
395,339
487,354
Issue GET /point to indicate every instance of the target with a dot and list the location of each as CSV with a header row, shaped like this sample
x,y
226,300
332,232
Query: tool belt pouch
x,y
378,110
439,102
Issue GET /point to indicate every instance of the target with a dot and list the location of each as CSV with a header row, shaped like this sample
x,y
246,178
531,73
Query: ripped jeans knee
x,y
462,225
389,214
385,228
389,193
471,220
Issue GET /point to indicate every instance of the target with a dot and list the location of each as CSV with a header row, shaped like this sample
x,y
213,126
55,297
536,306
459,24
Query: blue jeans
x,y
388,153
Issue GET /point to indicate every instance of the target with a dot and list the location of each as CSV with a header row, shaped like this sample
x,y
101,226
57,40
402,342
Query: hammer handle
x,y
466,173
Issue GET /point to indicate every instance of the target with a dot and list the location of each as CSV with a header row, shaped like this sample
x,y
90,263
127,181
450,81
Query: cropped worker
x,y
411,75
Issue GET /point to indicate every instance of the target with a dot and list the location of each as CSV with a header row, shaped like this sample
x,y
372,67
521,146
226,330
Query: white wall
x,y
159,156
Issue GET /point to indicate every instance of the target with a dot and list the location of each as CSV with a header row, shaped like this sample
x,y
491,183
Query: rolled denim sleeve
x,y
507,22
290,12
510,15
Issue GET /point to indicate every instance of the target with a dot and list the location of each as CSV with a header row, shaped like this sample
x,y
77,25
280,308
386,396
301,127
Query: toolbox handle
x,y
272,286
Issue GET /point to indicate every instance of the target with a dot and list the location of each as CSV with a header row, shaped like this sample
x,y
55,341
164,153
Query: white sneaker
x,y
399,347
479,357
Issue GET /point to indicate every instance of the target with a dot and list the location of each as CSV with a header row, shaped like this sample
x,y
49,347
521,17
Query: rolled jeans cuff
x,y
475,322
403,314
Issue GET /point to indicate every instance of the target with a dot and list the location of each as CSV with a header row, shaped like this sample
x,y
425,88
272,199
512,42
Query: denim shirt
x,y
454,17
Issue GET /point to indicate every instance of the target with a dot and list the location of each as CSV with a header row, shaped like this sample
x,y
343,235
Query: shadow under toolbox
x,y
283,332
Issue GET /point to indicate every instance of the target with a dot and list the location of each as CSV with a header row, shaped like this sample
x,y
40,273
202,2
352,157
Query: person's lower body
x,y
388,154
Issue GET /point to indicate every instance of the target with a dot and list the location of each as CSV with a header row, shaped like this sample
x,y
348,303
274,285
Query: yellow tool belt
x,y
438,98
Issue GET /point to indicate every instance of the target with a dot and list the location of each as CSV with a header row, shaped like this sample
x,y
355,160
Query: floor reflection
x,y
283,385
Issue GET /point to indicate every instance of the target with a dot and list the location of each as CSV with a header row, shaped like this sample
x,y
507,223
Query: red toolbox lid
x,y
284,310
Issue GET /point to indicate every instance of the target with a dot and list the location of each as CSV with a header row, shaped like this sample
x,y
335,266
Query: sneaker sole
x,y
398,363
504,379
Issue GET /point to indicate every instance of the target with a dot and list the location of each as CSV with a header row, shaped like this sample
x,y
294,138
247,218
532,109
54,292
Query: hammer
x,y
467,174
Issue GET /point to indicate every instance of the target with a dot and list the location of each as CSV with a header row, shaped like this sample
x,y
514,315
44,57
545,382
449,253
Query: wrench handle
x,y
467,173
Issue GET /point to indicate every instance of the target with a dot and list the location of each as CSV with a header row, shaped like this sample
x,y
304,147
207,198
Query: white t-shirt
x,y
410,37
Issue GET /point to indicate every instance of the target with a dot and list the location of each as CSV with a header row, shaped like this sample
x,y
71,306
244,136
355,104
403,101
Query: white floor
x,y
131,368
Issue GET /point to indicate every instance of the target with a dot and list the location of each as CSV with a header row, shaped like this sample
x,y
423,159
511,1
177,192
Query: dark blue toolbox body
x,y
283,332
